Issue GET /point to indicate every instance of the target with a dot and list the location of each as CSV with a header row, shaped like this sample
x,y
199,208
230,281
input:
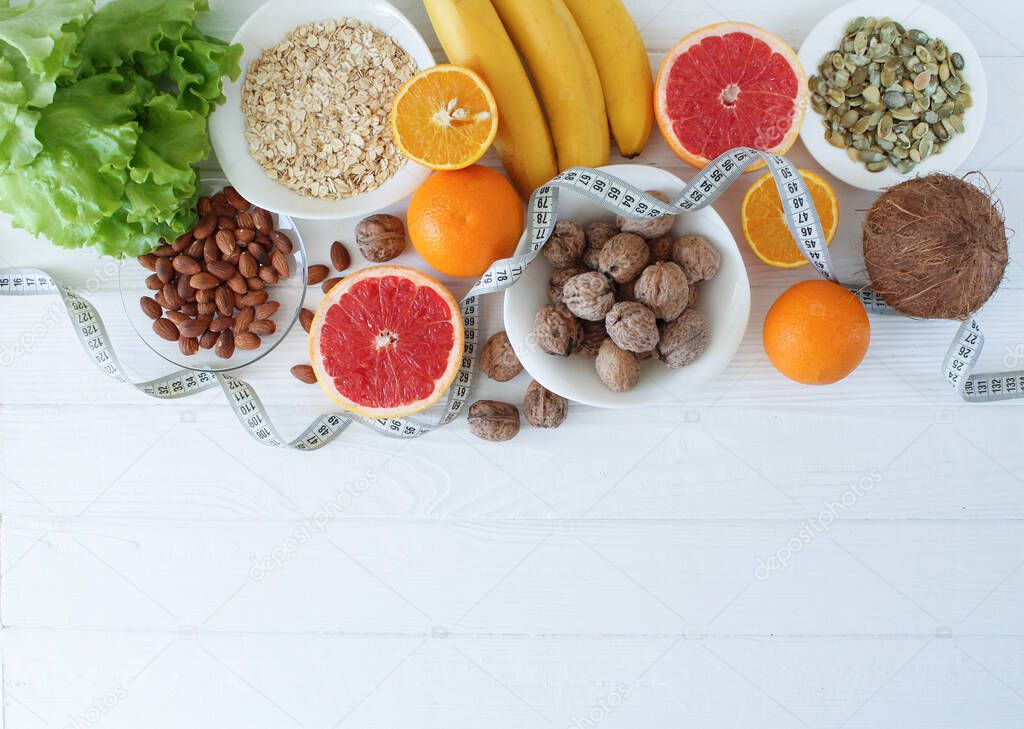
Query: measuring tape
x,y
614,195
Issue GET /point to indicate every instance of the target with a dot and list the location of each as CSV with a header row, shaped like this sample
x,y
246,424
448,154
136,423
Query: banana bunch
x,y
588,65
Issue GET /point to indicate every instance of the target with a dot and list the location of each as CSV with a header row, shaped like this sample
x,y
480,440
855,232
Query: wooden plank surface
x,y
760,554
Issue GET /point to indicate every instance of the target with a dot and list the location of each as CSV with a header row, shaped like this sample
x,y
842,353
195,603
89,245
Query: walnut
x,y
632,326
543,408
698,258
380,237
661,248
556,330
684,339
498,359
649,228
691,300
624,257
566,244
598,234
592,259
558,279
594,335
494,421
589,296
663,288
617,368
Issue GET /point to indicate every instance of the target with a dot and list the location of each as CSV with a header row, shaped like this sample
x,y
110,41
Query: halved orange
x,y
444,118
764,220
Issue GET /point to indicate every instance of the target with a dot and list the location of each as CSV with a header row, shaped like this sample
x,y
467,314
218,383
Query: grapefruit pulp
x,y
386,342
729,85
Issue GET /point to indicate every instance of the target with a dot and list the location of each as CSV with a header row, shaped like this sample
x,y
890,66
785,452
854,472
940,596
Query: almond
x,y
185,290
259,253
164,251
211,252
235,200
221,323
208,340
204,205
247,341
204,295
340,257
185,265
164,269
191,309
237,284
148,261
207,224
304,373
204,280
153,282
150,307
183,241
316,274
225,301
263,220
263,327
254,298
206,308
178,317
225,242
268,275
225,219
282,242
306,319
225,346
244,220
195,249
222,270
255,283
280,263
247,265
166,329
267,310
171,298
188,345
194,327
245,317
330,283
245,235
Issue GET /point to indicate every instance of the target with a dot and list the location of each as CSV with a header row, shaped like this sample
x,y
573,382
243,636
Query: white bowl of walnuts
x,y
620,313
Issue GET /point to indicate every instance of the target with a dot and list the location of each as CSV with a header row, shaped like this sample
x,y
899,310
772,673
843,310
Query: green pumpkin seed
x,y
957,60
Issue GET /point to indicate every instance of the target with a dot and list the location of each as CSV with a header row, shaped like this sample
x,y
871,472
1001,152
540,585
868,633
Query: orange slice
x,y
444,118
386,342
764,220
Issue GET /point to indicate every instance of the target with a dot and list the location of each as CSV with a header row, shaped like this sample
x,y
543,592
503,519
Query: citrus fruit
x,y
462,221
764,220
729,85
444,118
816,333
386,341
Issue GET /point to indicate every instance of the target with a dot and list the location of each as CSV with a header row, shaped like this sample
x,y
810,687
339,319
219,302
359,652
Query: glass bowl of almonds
x,y
897,90
225,293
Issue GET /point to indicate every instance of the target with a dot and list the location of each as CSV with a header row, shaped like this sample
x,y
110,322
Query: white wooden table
x,y
160,569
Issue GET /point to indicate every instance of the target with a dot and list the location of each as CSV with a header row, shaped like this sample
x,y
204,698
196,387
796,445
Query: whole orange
x,y
816,333
462,221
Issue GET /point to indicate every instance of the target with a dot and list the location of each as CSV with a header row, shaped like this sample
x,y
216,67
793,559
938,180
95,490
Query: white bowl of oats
x,y
306,129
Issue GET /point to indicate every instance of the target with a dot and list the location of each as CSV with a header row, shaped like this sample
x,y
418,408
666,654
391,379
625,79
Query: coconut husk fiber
x,y
935,247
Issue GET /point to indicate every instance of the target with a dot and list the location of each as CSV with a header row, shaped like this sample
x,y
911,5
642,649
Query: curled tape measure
x,y
611,193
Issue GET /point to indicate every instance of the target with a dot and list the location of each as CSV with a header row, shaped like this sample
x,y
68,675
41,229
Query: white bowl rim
x,y
724,344
824,36
227,124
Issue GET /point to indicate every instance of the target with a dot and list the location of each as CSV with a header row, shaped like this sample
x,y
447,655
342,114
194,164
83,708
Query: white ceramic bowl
x,y
725,300
264,29
825,37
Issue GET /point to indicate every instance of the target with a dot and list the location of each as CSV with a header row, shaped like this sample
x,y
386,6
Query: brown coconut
x,y
935,247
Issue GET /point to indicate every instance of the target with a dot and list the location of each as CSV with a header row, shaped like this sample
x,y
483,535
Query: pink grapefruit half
x,y
729,85
386,342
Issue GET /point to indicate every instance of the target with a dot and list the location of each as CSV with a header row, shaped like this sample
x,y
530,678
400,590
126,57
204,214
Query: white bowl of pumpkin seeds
x,y
897,91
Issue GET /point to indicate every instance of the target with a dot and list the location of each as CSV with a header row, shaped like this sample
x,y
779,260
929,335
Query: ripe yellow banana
x,y
621,59
472,36
563,70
